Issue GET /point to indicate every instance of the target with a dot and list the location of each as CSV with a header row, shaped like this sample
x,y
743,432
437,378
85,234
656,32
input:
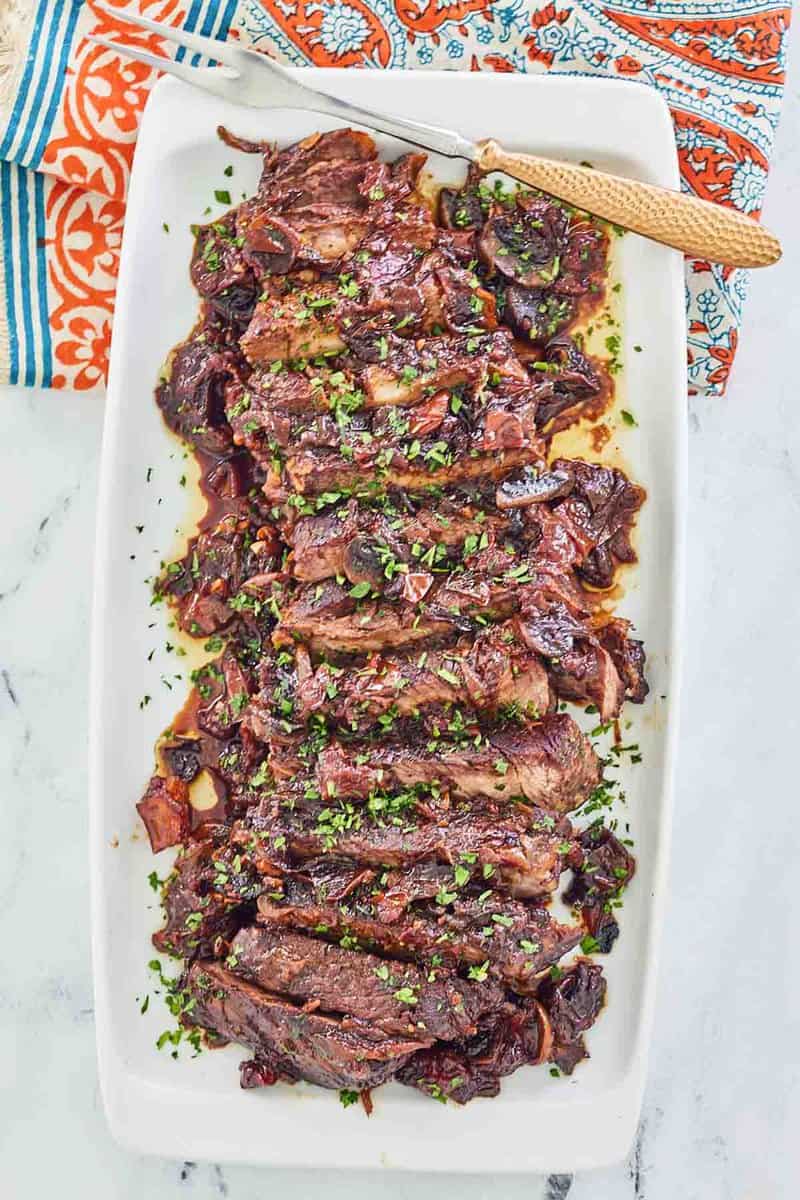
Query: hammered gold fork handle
x,y
697,227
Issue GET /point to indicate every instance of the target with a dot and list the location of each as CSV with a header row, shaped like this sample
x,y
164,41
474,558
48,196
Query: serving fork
x,y
697,227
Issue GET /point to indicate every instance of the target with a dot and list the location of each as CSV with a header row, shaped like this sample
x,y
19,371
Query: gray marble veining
x,y
722,1109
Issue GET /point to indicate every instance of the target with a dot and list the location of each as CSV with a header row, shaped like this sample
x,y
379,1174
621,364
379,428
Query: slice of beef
x,y
312,206
164,808
397,997
495,671
491,586
449,449
320,544
269,411
285,327
559,540
417,290
300,1044
241,546
403,374
549,763
587,674
489,934
555,766
279,388
198,910
395,889
286,170
319,235
328,617
519,846
396,542
506,1042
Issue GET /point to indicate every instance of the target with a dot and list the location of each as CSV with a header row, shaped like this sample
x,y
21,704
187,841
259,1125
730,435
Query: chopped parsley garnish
x,y
406,996
479,974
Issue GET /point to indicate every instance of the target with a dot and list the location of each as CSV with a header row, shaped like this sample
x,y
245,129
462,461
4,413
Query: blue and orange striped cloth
x,y
69,114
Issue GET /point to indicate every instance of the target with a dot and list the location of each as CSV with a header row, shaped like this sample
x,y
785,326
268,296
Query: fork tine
x,y
210,79
208,47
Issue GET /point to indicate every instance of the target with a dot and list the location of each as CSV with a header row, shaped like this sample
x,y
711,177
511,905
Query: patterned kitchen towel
x,y
69,112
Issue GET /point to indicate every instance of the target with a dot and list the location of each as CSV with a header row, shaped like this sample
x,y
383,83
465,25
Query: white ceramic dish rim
x,y
141,1115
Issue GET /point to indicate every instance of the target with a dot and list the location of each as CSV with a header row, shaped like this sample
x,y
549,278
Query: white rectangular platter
x,y
193,1107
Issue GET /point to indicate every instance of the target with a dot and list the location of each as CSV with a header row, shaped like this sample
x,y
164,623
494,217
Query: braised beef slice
x,y
511,940
628,656
198,908
298,1044
491,673
549,764
397,997
520,844
240,549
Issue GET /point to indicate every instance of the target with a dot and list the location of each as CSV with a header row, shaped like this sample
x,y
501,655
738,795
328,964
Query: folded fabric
x,y
69,114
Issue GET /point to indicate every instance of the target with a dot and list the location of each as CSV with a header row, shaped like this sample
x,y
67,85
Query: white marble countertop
x,y
722,1109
